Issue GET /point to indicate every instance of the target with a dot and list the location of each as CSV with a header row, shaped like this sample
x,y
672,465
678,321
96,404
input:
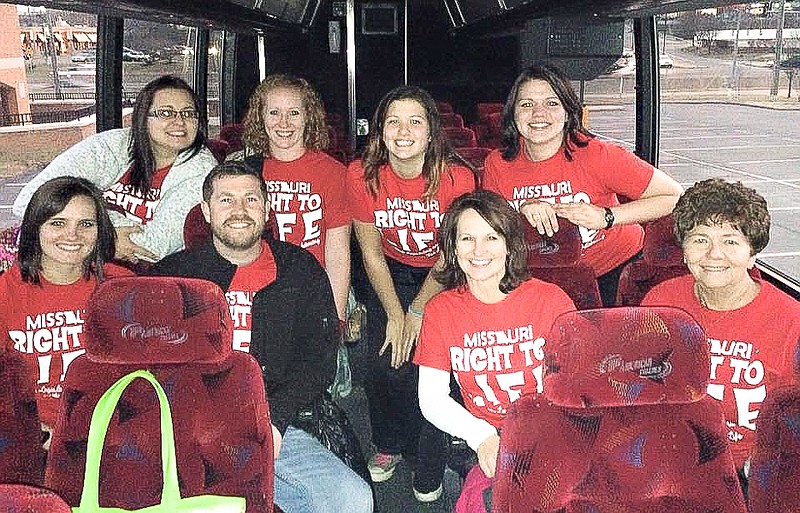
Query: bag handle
x,y
101,418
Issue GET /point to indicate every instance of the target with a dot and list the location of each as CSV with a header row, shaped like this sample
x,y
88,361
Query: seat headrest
x,y
157,320
626,356
563,249
779,421
660,246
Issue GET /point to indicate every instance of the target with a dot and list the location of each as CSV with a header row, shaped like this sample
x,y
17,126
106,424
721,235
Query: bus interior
x,y
685,84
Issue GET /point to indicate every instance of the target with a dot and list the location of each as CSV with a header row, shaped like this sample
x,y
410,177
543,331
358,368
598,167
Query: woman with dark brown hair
x,y
150,174
487,328
405,180
66,242
551,166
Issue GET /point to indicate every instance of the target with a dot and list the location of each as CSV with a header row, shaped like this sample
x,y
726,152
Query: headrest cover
x,y
28,499
779,421
660,246
626,356
148,320
563,249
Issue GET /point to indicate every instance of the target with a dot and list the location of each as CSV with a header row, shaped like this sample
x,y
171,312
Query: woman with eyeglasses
x,y
151,174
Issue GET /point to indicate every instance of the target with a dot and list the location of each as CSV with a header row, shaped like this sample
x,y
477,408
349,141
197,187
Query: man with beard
x,y
294,328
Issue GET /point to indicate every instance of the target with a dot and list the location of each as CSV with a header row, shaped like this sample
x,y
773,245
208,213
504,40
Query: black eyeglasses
x,y
172,114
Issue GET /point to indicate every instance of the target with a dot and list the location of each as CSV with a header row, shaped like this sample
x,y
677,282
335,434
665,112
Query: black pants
x,y
398,426
608,283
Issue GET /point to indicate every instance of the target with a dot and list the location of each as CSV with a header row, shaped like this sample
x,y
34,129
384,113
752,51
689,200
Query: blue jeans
x,y
311,479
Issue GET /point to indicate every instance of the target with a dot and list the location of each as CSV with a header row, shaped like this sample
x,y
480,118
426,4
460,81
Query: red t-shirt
x,y
308,197
247,280
596,174
123,198
407,224
496,351
45,324
752,351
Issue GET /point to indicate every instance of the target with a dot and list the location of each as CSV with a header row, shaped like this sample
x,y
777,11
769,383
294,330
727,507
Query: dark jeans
x,y
609,282
398,426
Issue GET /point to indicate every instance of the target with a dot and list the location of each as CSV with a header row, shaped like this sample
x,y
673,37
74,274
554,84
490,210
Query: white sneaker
x,y
381,466
429,496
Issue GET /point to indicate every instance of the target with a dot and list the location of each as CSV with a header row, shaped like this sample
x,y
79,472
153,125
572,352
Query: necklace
x,y
743,298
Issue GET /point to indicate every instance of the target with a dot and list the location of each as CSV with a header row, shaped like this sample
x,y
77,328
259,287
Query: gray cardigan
x,y
103,158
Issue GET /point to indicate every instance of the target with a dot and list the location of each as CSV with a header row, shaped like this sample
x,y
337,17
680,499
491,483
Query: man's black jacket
x,y
294,322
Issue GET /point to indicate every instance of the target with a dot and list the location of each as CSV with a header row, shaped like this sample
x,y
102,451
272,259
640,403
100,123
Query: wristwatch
x,y
609,217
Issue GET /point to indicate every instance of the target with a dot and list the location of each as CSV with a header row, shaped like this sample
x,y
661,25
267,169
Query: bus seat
x,y
218,148
180,330
29,499
451,119
556,260
486,108
624,423
476,156
489,130
21,454
775,463
461,137
232,134
196,229
660,245
444,107
662,259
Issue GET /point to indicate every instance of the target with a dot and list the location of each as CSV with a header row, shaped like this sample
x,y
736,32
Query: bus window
x,y
47,98
153,49
610,99
727,110
216,41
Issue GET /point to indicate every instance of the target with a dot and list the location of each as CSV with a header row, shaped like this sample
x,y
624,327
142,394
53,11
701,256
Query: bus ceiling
x,y
232,15
299,15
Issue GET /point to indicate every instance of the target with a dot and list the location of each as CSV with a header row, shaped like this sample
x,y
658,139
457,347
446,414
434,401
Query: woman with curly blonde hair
x,y
286,126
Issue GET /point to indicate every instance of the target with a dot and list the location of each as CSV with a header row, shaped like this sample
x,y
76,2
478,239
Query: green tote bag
x,y
171,500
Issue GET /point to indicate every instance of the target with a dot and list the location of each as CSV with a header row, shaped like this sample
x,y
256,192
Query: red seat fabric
x,y
232,134
662,259
196,229
627,356
451,119
556,260
444,107
180,330
218,147
656,458
475,156
624,424
486,108
9,245
775,464
21,454
461,137
28,499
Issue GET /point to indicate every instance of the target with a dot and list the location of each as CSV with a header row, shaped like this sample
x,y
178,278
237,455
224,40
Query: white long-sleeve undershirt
x,y
445,413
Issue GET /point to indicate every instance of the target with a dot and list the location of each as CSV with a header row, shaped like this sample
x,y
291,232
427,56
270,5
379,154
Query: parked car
x,y
84,56
791,63
130,55
665,61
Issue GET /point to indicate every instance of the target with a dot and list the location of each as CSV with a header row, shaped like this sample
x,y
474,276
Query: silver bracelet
x,y
414,312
